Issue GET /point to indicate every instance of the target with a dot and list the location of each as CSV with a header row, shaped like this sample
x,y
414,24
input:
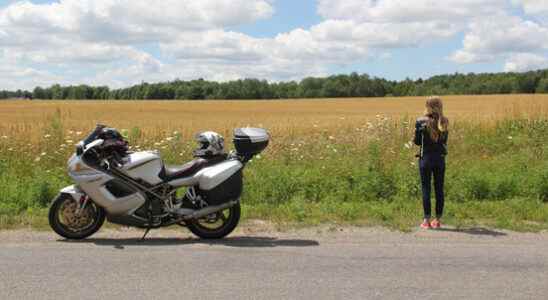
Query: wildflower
x,y
413,163
78,132
331,137
69,141
47,136
10,149
157,144
258,156
334,150
175,132
510,137
407,145
4,137
315,125
169,139
43,154
37,159
164,147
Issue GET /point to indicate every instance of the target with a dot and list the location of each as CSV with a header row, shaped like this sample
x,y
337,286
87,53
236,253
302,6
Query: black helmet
x,y
108,133
113,141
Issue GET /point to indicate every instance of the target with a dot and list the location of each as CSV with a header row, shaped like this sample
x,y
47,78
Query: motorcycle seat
x,y
172,172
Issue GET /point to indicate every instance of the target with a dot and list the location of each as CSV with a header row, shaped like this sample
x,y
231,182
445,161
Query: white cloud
x,y
533,7
104,36
521,43
521,62
341,39
404,11
13,76
136,19
110,41
493,36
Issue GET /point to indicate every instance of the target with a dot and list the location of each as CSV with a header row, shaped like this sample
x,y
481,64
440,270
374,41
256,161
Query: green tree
x,y
542,86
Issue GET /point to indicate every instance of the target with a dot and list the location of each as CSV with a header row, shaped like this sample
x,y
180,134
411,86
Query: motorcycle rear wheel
x,y
227,220
64,221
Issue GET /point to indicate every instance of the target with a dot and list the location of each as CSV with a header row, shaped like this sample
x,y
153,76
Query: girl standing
x,y
431,134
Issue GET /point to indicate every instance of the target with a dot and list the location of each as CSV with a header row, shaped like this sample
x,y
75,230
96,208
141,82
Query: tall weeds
x,y
361,172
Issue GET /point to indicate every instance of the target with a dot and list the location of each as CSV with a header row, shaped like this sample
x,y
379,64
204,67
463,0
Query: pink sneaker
x,y
425,224
436,223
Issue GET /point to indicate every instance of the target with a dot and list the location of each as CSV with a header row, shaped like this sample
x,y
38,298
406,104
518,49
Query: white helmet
x,y
210,144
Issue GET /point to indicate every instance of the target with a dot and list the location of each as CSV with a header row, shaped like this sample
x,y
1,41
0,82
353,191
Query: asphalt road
x,y
321,263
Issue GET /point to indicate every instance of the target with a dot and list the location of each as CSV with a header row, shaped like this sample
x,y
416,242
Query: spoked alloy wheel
x,y
216,225
66,221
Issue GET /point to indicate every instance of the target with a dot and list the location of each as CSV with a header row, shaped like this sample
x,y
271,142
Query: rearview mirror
x,y
97,142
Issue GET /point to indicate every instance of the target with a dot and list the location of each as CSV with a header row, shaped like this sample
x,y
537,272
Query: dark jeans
x,y
432,165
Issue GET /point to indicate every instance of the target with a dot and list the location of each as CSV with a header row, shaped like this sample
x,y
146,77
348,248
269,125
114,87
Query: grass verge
x,y
497,176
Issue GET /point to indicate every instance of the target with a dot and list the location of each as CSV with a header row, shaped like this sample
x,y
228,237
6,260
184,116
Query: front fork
x,y
78,195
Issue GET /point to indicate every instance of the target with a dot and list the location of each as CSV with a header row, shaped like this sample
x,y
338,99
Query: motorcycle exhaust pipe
x,y
200,213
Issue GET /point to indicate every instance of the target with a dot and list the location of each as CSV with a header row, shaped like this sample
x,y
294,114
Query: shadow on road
x,y
474,231
248,241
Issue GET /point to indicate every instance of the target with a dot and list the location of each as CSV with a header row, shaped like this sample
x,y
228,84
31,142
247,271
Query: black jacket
x,y
430,146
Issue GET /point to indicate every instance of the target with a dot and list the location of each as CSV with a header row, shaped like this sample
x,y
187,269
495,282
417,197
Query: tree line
x,y
353,85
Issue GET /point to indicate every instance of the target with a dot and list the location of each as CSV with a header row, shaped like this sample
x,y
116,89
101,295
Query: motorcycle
x,y
138,189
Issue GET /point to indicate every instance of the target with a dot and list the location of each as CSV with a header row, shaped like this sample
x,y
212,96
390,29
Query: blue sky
x,y
123,42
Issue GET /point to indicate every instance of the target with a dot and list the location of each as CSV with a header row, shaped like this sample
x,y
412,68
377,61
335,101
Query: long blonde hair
x,y
437,122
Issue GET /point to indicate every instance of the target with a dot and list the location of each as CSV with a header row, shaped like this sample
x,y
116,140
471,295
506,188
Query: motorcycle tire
x,y
66,232
218,233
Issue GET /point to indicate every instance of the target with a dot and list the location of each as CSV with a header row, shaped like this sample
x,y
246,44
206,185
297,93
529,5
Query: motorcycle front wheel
x,y
67,222
216,225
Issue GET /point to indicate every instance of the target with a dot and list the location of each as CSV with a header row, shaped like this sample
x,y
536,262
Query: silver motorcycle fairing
x,y
210,177
145,165
92,182
74,191
139,165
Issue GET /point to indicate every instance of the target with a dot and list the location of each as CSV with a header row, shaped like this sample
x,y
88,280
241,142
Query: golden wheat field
x,y
284,118
365,145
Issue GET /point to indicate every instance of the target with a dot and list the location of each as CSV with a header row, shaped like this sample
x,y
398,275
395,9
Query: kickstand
x,y
149,222
144,235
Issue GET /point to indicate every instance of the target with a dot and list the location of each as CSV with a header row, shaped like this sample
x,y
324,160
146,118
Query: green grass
x,y
497,176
